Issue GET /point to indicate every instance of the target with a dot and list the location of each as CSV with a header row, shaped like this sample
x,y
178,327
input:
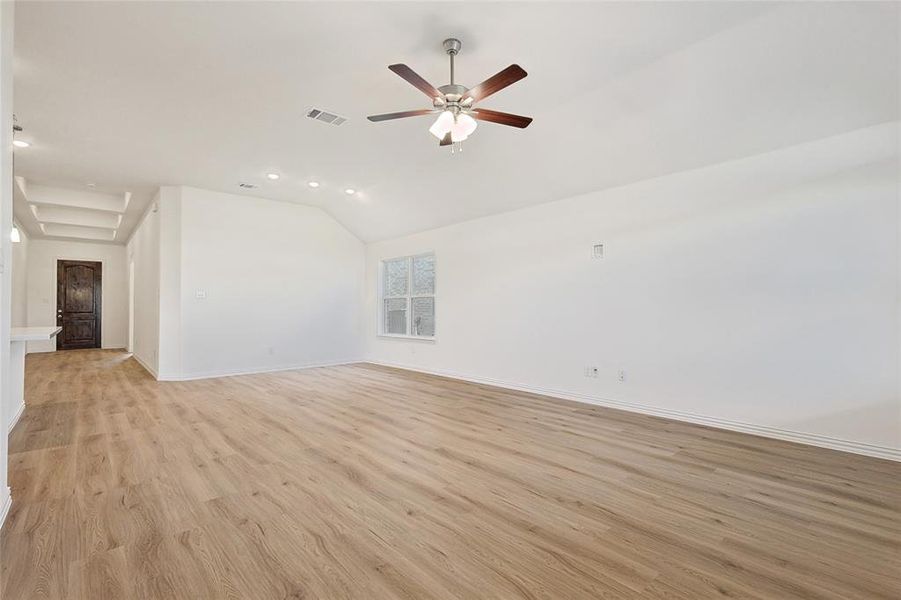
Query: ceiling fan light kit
x,y
453,103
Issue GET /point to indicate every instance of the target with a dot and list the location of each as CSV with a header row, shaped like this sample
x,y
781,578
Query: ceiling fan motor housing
x,y
453,94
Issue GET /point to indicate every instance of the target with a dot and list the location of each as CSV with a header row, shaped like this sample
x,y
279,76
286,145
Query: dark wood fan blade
x,y
502,118
400,115
496,83
421,84
446,140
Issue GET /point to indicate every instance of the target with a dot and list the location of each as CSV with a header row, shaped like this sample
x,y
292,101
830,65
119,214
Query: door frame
x,y
131,305
98,281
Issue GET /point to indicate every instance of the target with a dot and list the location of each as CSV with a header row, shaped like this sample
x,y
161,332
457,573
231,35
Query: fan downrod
x,y
453,92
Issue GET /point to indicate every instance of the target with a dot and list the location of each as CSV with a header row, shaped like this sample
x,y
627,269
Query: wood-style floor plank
x,y
363,482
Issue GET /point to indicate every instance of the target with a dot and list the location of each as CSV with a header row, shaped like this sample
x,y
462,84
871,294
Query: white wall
x,y
143,250
7,10
42,257
759,294
20,281
170,299
283,285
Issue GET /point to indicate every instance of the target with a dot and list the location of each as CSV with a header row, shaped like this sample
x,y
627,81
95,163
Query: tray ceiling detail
x,y
47,211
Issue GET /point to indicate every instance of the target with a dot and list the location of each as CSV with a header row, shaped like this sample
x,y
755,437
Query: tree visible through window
x,y
408,296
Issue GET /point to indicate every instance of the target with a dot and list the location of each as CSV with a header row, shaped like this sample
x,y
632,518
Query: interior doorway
x,y
78,303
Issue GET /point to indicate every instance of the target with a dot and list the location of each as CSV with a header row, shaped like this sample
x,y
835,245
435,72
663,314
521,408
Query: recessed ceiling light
x,y
272,176
91,184
20,144
350,191
313,184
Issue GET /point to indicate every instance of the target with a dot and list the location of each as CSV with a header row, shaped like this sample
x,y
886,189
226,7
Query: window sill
x,y
397,336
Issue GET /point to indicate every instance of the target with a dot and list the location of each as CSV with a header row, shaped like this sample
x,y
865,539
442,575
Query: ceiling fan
x,y
453,103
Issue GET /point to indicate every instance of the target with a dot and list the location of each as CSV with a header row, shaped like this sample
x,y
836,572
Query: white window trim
x,y
409,297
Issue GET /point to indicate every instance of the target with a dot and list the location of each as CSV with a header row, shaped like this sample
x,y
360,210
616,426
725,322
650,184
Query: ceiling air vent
x,y
248,186
326,117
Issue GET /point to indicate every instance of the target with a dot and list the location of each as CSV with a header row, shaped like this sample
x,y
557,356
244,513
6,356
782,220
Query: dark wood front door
x,y
78,286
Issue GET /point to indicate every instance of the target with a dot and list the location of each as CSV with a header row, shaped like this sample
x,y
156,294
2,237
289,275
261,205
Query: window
x,y
408,296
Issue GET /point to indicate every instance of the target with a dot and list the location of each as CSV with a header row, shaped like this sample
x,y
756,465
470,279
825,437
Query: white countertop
x,y
31,334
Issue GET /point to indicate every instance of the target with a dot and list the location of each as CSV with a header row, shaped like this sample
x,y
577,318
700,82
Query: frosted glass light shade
x,y
463,127
442,124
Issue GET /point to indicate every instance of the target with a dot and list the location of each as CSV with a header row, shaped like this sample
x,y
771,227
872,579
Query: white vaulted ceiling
x,y
135,95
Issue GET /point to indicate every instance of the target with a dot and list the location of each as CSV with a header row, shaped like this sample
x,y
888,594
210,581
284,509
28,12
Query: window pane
x,y
423,275
396,316
396,277
424,316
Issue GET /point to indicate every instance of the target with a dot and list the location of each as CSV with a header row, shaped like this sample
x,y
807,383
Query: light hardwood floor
x,y
370,483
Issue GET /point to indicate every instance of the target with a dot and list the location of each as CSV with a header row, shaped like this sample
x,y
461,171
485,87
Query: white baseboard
x,y
256,371
799,437
146,366
16,416
4,510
